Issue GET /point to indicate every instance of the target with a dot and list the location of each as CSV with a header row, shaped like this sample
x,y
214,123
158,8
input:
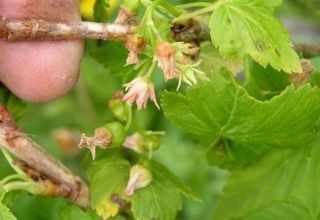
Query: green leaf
x,y
114,64
101,11
264,83
74,212
160,200
108,178
5,213
247,27
282,211
237,127
289,175
183,188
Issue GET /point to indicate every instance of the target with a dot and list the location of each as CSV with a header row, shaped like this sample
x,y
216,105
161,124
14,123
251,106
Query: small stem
x,y
170,8
208,9
150,154
13,177
10,161
129,122
194,5
31,187
155,132
151,69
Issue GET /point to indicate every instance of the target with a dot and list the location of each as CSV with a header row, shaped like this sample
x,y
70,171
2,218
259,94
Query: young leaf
x,y
247,27
5,213
109,178
238,127
162,197
289,175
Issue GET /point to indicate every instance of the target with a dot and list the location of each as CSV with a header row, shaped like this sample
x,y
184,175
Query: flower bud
x,y
140,177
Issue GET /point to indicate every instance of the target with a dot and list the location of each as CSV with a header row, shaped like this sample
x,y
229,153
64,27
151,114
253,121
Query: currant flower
x,y
166,59
140,177
190,74
140,90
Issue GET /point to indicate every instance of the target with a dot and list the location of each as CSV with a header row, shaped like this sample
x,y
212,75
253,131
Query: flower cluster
x,y
175,60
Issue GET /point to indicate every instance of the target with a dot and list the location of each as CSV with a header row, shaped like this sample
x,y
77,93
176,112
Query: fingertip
x,y
41,71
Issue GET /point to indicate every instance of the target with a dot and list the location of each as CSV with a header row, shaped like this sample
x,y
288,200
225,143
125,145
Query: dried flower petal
x,y
134,142
139,177
101,138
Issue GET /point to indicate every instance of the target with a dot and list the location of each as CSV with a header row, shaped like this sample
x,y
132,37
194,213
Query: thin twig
x,y
14,30
20,145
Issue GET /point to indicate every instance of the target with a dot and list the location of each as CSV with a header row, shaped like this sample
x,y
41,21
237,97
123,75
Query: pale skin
x,y
40,71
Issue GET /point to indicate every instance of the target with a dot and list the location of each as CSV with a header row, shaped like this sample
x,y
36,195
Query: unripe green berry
x,y
117,133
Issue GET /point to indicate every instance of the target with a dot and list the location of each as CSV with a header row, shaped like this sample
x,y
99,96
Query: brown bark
x,y
24,148
14,30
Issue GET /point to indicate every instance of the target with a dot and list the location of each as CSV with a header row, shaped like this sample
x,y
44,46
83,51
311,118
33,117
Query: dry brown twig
x,y
64,182
14,30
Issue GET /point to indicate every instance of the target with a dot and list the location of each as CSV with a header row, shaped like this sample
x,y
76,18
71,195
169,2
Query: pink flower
x,y
139,91
166,61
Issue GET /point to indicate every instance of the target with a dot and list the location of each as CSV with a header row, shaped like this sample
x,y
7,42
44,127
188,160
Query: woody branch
x,y
64,182
15,30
